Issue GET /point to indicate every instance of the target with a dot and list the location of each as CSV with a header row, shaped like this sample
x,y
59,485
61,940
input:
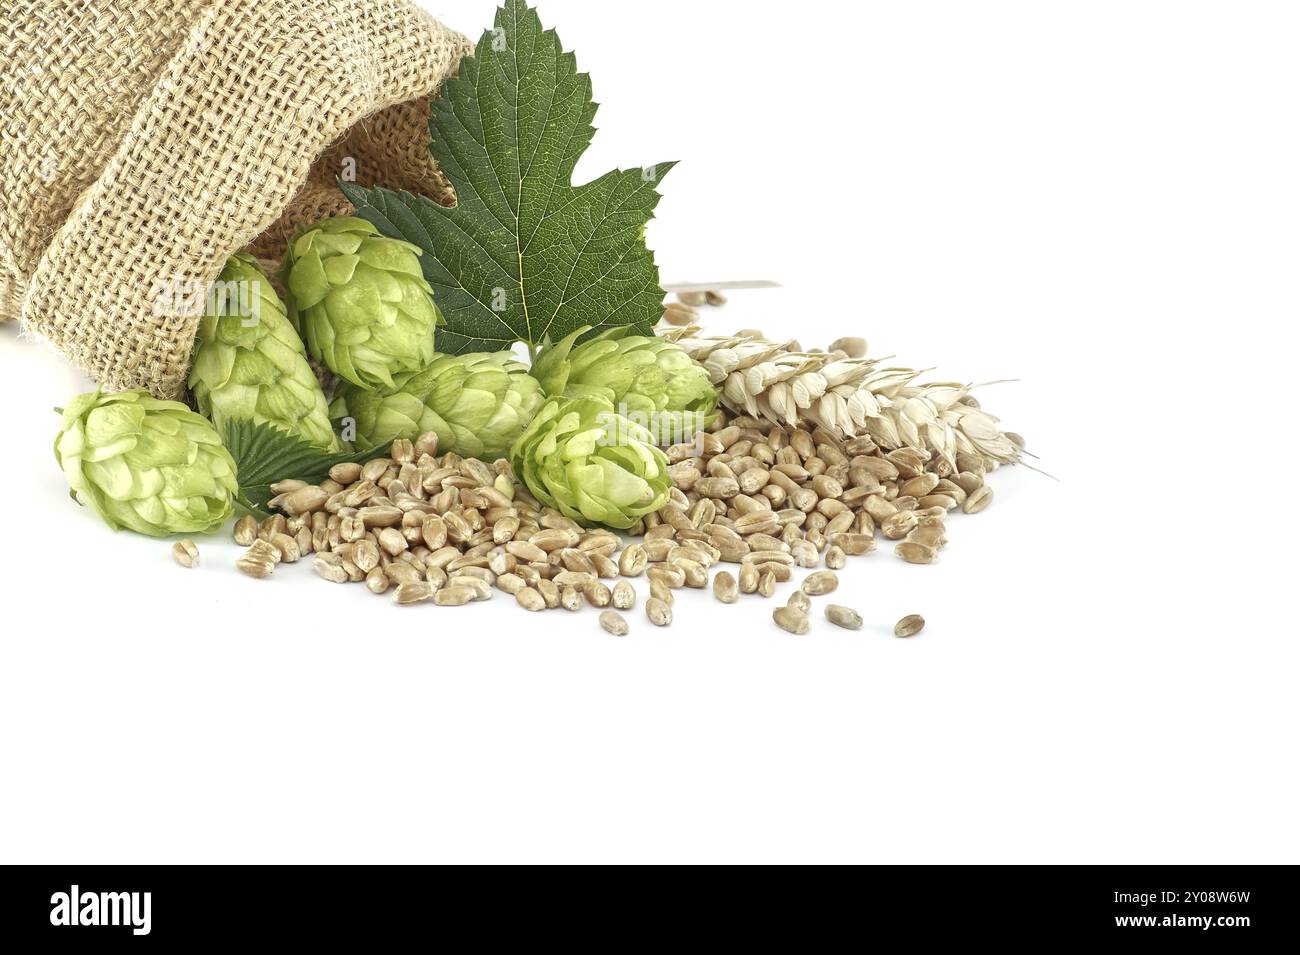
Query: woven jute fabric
x,y
143,142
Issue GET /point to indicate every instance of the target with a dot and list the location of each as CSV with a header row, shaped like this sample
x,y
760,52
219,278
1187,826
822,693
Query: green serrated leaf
x,y
265,454
524,255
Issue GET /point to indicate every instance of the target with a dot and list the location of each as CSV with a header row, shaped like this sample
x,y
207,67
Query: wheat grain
x,y
613,622
185,553
909,626
658,612
845,617
624,595
792,620
530,599
820,582
979,499
914,552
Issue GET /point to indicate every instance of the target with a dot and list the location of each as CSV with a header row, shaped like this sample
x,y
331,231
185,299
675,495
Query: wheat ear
x,y
848,396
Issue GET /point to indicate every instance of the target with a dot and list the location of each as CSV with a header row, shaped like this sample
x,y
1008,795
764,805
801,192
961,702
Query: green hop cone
x,y
652,380
360,301
250,363
477,403
152,466
582,457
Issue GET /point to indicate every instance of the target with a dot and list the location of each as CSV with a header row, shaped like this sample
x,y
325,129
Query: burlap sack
x,y
144,141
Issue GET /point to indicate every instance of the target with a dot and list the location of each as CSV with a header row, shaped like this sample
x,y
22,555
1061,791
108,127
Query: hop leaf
x,y
524,255
265,454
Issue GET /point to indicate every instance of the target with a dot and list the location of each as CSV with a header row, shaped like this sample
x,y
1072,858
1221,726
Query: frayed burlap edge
x,y
229,147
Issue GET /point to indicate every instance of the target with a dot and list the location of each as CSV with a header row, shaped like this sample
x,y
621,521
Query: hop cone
x,y
250,363
596,466
477,403
152,466
360,300
651,379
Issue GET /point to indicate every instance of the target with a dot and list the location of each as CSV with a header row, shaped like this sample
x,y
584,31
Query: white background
x,y
1097,199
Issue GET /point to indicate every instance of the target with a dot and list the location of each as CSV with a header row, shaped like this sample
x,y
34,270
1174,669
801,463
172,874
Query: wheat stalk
x,y
848,396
